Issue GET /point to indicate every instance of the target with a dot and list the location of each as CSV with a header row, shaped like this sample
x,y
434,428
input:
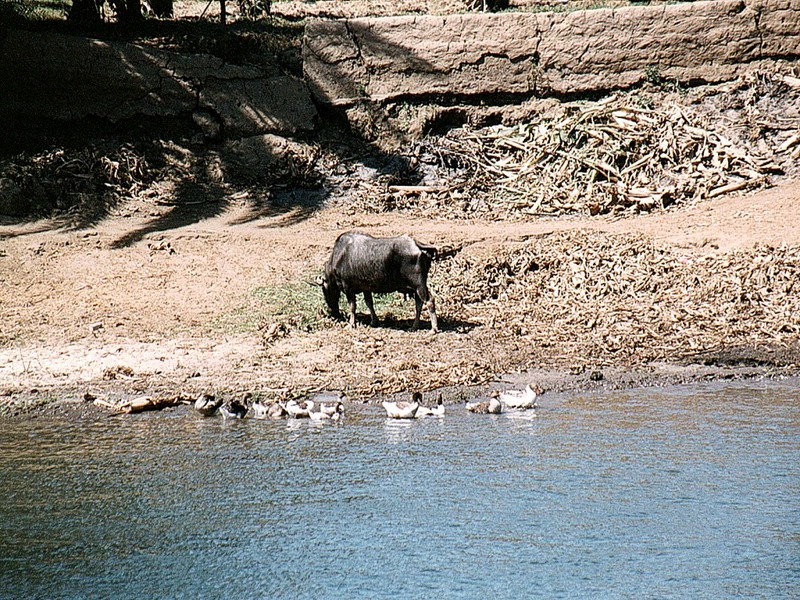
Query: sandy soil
x,y
177,309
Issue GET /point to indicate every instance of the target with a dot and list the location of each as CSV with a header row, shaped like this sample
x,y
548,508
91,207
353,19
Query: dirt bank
x,y
179,264
221,303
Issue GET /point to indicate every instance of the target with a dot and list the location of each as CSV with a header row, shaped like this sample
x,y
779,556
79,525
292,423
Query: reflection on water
x,y
686,492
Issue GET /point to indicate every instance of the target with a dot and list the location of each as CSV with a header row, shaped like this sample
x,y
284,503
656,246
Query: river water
x,y
686,492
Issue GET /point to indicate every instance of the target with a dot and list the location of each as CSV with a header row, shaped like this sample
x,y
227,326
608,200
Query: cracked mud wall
x,y
69,78
544,53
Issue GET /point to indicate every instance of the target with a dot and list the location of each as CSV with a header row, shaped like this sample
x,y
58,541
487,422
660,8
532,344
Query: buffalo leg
x,y
351,302
432,311
423,296
373,317
418,308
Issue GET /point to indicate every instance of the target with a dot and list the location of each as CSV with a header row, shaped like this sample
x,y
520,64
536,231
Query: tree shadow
x,y
229,153
193,203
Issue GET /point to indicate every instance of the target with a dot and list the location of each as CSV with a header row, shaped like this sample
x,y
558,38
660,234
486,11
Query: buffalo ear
x,y
318,282
429,250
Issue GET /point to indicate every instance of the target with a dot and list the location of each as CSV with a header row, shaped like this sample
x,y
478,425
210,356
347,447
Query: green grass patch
x,y
296,303
299,306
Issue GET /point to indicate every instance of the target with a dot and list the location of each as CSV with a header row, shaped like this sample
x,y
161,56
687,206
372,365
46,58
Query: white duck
x,y
260,410
322,415
524,399
403,410
299,410
422,410
486,407
438,410
333,409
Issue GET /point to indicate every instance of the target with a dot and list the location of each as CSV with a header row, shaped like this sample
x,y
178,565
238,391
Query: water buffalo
x,y
362,264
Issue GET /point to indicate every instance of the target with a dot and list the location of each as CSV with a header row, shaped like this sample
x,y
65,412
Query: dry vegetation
x,y
597,296
628,153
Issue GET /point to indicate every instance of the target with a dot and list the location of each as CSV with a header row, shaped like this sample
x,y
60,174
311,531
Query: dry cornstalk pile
x,y
61,180
606,158
600,297
626,152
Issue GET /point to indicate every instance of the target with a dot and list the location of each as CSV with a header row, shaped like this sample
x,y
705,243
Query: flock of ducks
x,y
331,407
208,406
512,399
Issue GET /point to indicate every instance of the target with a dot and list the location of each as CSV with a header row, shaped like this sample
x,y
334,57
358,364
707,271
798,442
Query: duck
x,y
333,409
486,407
319,416
422,411
322,415
403,410
260,410
523,399
207,405
277,411
235,409
438,410
299,410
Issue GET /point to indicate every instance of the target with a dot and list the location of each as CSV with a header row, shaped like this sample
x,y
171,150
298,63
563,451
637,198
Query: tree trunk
x,y
130,11
162,8
84,11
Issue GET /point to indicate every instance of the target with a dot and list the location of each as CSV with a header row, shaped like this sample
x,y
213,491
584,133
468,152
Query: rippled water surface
x,y
687,492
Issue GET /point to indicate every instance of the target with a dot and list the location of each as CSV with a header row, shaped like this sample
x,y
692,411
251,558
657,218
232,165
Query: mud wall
x,y
66,78
544,53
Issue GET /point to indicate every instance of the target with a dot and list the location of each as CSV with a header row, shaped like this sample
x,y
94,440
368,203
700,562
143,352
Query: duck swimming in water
x,y
260,410
425,411
403,410
235,409
438,410
299,410
207,405
524,399
322,415
487,407
422,411
277,411
333,409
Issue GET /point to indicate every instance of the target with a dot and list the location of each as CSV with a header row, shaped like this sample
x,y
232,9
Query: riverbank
x,y
221,303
